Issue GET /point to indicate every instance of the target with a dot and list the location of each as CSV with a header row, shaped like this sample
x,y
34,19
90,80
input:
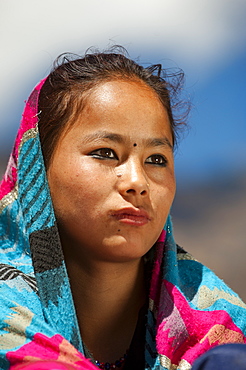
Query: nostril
x,y
143,192
130,191
133,191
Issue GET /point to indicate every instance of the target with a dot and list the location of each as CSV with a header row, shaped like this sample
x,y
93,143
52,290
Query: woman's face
x,y
112,174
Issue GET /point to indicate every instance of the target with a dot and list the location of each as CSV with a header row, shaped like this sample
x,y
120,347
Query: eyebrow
x,y
117,138
99,135
159,142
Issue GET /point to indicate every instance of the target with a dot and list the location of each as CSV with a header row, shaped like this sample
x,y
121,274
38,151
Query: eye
x,y
157,160
103,153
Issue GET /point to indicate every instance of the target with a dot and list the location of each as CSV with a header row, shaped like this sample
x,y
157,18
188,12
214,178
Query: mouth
x,y
131,216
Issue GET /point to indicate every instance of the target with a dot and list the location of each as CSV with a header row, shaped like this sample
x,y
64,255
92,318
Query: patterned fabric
x,y
190,309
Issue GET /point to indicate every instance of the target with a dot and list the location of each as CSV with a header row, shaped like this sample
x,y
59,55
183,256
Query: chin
x,y
126,250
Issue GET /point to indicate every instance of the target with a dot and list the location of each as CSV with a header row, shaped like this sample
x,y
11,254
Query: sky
x,y
206,38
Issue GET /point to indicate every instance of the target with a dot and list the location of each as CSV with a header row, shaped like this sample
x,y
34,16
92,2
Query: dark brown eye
x,y
103,153
157,159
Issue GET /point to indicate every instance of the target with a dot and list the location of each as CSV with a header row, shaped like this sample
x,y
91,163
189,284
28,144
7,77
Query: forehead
x,y
123,91
124,97
126,107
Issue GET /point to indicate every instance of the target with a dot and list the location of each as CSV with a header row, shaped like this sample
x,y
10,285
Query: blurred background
x,y
207,39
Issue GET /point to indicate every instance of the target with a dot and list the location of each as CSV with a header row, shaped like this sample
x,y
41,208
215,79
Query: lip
x,y
131,216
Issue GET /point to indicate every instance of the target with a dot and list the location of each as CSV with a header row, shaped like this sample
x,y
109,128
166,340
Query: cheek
x,y
164,197
76,189
172,188
169,185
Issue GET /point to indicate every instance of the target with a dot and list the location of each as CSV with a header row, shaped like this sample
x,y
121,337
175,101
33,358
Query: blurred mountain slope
x,y
210,222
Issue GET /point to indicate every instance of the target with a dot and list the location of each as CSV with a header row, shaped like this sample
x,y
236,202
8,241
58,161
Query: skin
x,y
112,184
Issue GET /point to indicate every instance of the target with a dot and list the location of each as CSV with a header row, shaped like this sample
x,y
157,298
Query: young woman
x,y
89,265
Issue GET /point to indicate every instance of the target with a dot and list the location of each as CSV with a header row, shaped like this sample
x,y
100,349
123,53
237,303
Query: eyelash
x,y
107,153
104,154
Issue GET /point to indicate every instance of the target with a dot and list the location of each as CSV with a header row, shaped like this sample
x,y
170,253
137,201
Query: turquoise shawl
x,y
190,309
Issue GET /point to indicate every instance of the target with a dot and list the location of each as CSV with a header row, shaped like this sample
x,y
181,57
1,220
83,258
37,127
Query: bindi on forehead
x,y
135,144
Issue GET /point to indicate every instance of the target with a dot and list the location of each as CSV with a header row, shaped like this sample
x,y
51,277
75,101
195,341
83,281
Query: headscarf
x,y
190,308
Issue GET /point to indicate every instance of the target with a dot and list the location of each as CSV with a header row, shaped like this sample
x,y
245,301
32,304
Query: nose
x,y
132,179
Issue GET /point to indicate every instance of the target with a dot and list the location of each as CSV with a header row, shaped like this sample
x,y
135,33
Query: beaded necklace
x,y
118,364
115,365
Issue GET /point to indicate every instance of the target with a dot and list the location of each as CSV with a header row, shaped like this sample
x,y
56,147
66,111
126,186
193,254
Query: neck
x,y
107,298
